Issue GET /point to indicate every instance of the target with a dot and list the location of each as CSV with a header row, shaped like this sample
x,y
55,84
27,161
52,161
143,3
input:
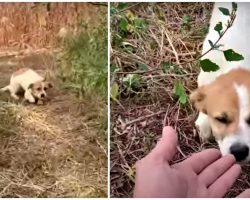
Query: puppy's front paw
x,y
31,100
202,124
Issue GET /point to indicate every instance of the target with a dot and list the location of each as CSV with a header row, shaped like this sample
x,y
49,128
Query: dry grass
x,y
138,118
52,150
40,25
58,149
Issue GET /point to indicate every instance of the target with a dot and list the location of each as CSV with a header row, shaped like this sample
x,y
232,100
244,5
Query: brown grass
x,y
58,149
138,119
51,150
40,25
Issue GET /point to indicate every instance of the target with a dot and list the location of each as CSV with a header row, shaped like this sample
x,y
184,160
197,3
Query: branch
x,y
230,23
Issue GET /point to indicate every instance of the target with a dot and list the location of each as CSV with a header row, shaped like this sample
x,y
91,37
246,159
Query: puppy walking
x,y
33,85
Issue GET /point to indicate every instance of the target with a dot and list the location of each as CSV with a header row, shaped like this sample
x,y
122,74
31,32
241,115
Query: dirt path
x,y
50,150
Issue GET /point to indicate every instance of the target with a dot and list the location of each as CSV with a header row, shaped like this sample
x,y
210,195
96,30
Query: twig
x,y
233,16
172,46
144,117
181,152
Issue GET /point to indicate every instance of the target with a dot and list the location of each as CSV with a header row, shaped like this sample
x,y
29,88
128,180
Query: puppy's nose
x,y
240,151
42,95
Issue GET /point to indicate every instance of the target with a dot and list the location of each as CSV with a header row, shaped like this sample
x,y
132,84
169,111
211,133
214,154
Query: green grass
x,y
84,69
85,61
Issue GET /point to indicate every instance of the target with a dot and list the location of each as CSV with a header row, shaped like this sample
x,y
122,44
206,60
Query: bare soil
x,y
50,150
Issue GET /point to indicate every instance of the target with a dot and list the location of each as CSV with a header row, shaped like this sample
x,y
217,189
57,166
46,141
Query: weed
x,y
85,62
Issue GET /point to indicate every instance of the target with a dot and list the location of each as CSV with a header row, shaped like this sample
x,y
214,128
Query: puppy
x,y
33,85
223,97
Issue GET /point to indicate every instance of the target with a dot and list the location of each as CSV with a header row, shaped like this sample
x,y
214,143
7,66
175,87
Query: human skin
x,y
205,174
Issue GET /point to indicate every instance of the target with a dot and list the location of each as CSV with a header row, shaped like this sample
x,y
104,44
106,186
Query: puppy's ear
x,y
49,84
31,86
198,98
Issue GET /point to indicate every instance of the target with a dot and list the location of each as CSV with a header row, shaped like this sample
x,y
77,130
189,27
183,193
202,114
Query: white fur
x,y
204,126
236,38
242,134
23,81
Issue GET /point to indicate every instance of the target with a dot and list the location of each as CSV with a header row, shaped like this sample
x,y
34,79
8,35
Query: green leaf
x,y
230,55
123,25
139,24
224,11
165,66
113,11
217,46
114,89
122,6
235,6
183,99
143,67
131,81
218,27
113,68
211,43
208,66
179,91
186,19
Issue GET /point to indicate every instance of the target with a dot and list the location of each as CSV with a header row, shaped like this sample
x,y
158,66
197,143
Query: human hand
x,y
204,174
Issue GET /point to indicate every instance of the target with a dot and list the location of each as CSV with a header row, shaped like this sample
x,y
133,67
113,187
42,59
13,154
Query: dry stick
x,y
165,117
172,46
193,60
181,152
144,117
128,8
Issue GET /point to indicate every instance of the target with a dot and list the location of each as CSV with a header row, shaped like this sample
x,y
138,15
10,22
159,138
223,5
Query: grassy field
x,y
58,149
153,45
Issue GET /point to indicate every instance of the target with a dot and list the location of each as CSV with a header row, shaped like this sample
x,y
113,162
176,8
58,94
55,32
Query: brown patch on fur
x,y
20,71
220,98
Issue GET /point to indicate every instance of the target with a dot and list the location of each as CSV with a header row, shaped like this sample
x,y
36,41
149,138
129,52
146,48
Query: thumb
x,y
166,147
245,194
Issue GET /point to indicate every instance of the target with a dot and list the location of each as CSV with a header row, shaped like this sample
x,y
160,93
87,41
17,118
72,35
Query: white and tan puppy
x,y
223,97
34,85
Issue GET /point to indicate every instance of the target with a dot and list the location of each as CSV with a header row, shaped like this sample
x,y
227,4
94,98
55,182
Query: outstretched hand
x,y
205,174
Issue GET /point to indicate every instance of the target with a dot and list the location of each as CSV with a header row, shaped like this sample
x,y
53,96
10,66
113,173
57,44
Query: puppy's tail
x,y
4,89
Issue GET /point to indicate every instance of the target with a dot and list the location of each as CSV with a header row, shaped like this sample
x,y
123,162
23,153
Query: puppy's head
x,y
226,102
39,89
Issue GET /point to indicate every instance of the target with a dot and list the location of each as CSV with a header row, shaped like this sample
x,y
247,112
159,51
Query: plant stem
x,y
230,23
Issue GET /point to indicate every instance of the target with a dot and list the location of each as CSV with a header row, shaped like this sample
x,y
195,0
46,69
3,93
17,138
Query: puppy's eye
x,y
223,119
45,89
39,89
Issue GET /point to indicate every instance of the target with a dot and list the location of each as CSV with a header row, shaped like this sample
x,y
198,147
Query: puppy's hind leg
x,y
6,88
14,88
12,93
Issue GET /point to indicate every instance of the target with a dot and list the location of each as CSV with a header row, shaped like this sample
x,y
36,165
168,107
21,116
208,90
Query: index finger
x,y
201,160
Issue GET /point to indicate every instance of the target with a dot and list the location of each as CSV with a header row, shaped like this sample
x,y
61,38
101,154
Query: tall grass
x,y
85,66
84,69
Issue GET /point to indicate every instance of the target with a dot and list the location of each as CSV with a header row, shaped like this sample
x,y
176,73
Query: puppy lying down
x,y
223,97
34,86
